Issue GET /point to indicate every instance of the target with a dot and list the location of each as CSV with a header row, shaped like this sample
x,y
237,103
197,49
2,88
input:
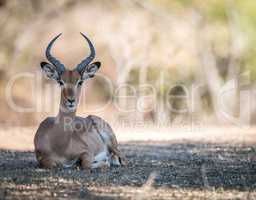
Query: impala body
x,y
67,139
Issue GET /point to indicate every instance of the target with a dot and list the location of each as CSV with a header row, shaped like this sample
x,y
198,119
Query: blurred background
x,y
177,63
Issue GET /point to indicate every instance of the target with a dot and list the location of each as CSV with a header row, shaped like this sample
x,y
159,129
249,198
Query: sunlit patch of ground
x,y
162,164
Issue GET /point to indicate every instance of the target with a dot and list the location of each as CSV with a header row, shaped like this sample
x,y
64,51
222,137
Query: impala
x,y
67,139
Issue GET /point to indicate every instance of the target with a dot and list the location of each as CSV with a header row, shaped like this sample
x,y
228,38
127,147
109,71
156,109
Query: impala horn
x,y
59,66
81,67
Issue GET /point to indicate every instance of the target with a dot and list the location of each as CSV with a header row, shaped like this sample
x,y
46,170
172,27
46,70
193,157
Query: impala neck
x,y
62,115
65,116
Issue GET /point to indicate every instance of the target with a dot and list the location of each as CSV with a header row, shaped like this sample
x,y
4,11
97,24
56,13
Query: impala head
x,y
70,81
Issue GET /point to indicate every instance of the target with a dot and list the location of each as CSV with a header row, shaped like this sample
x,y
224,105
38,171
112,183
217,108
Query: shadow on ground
x,y
176,167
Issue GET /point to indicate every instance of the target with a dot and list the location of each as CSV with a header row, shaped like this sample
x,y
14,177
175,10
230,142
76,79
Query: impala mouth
x,y
71,107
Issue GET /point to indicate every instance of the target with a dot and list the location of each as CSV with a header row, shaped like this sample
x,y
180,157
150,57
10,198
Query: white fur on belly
x,y
101,159
104,163
104,155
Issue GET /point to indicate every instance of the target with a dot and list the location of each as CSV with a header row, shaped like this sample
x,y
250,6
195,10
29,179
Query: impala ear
x,y
50,70
90,70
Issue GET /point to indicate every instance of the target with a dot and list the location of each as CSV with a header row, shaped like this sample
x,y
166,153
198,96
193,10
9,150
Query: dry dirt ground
x,y
155,170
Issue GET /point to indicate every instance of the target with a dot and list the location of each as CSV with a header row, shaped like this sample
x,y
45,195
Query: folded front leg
x,y
86,161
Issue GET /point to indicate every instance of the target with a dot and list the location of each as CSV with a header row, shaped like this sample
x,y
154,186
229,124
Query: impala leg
x,y
47,163
86,161
115,161
44,160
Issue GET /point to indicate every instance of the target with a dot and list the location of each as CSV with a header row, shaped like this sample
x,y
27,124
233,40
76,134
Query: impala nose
x,y
71,101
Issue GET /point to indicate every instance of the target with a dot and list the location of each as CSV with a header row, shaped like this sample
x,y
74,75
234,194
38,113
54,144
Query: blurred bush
x,y
188,42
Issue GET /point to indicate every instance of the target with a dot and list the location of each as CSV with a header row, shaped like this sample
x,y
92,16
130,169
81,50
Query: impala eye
x,y
80,83
61,82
